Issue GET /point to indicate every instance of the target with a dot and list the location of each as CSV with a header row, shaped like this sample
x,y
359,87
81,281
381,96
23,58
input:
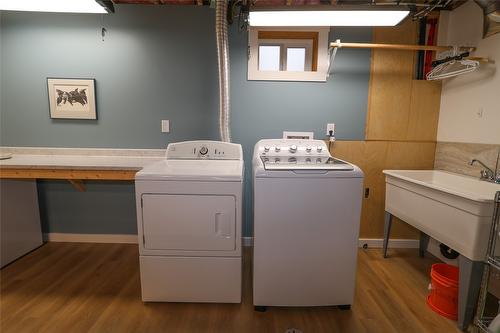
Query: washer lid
x,y
304,163
336,169
193,170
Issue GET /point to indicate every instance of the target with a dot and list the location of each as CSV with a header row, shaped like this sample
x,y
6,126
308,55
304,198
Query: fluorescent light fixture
x,y
58,6
315,18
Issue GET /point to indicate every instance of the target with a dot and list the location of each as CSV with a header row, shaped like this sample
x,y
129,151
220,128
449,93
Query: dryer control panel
x,y
204,149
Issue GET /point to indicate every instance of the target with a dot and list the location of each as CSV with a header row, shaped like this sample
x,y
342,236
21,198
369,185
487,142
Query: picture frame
x,y
71,98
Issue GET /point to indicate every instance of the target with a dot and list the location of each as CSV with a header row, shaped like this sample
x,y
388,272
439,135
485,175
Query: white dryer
x,y
307,209
189,209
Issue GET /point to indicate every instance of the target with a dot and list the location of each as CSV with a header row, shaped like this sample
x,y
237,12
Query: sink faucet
x,y
487,173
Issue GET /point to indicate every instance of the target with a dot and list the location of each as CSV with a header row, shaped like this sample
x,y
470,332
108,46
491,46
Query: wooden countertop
x,y
75,164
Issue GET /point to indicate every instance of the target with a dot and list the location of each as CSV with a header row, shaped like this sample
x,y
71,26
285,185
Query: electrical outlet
x,y
330,127
165,126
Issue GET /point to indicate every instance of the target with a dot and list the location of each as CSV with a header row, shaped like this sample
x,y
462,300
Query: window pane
x,y
269,58
295,59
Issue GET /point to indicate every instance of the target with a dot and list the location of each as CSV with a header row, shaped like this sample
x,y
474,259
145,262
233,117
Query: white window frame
x,y
284,44
320,75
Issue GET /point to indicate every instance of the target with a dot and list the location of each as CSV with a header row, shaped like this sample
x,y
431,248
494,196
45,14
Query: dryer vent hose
x,y
221,30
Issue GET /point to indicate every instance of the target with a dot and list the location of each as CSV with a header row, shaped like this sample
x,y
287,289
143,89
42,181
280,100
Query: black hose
x,y
457,57
448,252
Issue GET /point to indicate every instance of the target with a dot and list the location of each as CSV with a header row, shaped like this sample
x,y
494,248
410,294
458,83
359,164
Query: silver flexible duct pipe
x,y
491,21
221,30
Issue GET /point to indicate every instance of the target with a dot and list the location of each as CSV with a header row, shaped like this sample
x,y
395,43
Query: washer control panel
x,y
204,149
292,147
297,154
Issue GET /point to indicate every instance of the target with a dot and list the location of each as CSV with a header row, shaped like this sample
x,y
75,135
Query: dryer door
x,y
189,222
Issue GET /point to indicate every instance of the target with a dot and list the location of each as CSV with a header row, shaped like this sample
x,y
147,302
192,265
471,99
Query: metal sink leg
x,y
470,275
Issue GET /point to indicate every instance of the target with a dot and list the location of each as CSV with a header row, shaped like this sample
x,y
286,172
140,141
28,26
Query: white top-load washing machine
x,y
307,209
189,209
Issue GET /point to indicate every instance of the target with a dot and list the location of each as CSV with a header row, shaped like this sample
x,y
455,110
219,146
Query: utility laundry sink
x,y
453,209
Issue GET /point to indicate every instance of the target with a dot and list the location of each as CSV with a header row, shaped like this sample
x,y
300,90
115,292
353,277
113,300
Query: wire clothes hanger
x,y
453,63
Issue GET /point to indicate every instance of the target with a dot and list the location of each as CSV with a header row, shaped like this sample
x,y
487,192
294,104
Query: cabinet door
x,y
189,222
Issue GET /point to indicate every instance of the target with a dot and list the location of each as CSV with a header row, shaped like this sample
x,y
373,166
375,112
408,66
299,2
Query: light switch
x,y
165,126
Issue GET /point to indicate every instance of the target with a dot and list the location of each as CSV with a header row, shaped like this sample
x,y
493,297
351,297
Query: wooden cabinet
x,y
401,126
399,107
373,157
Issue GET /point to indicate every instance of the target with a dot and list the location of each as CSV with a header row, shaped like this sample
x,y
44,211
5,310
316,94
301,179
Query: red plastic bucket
x,y
443,297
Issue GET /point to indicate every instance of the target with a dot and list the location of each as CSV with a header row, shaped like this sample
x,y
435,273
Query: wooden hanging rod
x,y
404,47
481,59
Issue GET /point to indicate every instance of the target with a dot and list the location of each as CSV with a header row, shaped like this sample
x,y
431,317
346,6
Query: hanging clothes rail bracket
x,y
332,51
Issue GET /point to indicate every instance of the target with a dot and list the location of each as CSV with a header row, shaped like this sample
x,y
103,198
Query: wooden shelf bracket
x,y
77,184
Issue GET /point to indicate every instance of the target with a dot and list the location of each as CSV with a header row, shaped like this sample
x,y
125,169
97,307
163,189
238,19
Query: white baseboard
x,y
246,241
370,242
90,238
393,243
106,238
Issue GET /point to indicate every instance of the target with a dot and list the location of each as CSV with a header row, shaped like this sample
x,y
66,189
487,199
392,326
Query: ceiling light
x,y
301,18
58,6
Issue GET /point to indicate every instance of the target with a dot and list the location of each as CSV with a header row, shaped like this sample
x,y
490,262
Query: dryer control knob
x,y
308,149
277,149
293,149
319,149
203,150
266,148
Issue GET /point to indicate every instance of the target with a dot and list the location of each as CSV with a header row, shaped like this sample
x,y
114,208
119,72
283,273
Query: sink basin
x,y
454,209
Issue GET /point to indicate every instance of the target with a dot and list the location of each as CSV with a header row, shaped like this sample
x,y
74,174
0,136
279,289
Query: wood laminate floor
x,y
70,287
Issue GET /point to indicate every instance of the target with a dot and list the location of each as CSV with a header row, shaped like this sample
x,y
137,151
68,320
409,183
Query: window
x,y
269,57
296,59
285,55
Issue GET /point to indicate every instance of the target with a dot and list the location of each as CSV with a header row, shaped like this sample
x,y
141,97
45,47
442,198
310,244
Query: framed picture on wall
x,y
72,98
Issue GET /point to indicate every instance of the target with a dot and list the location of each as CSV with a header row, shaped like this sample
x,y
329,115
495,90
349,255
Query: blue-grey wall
x,y
104,208
156,62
